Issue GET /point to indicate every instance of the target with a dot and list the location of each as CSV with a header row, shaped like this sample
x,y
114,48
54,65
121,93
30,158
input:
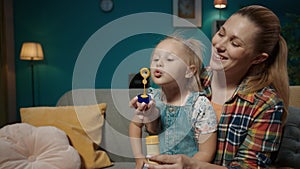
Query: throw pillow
x,y
82,124
25,146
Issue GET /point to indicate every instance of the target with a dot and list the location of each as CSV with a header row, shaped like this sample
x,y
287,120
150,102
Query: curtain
x,y
7,65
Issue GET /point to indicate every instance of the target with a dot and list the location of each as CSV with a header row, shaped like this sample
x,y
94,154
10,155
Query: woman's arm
x,y
263,138
179,161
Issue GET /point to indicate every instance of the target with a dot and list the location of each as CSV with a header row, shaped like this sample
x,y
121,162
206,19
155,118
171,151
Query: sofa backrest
x,y
289,151
295,96
115,140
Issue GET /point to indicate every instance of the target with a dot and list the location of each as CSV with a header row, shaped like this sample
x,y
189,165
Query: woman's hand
x,y
178,161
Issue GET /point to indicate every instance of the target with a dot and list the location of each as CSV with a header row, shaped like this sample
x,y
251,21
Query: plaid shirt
x,y
249,129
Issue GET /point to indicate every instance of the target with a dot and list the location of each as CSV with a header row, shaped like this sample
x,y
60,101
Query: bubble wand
x,y
145,73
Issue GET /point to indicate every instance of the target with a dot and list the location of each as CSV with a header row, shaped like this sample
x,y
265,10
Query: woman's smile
x,y
217,56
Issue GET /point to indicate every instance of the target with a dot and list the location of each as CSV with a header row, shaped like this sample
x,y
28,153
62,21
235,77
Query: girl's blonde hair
x,y
194,51
268,40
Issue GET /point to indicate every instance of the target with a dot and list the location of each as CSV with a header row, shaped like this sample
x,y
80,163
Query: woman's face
x,y
167,66
233,46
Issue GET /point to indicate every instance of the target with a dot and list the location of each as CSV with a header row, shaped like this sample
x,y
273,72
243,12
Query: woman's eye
x,y
235,44
221,33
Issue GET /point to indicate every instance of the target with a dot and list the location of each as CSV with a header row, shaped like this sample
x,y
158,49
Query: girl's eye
x,y
155,58
170,58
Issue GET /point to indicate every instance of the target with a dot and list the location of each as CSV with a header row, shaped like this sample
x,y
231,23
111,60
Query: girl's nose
x,y
159,63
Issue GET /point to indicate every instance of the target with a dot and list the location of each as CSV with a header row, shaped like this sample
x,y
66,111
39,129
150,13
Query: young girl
x,y
181,115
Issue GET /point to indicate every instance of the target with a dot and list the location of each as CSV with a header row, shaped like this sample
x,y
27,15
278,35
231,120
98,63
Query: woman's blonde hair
x,y
272,71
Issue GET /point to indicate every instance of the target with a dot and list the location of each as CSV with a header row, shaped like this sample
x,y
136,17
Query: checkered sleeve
x,y
263,138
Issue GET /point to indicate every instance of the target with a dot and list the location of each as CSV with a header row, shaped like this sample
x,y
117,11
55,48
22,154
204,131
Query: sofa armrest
x,y
289,151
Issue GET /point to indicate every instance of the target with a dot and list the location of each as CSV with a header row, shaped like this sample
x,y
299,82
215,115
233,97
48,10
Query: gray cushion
x,y
289,152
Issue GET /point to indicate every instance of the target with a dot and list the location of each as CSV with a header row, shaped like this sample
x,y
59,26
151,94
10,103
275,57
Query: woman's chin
x,y
216,66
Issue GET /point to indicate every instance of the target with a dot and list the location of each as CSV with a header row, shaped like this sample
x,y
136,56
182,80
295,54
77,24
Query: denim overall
x,y
177,136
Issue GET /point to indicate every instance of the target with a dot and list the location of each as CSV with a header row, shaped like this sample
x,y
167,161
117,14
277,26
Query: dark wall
x,y
87,48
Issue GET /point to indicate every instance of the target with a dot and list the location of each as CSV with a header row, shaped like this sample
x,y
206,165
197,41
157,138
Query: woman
x,y
247,83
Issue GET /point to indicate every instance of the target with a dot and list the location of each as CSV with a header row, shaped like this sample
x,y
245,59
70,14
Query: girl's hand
x,y
139,163
145,112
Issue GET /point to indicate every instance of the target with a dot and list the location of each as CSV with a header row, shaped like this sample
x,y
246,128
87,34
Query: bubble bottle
x,y
152,146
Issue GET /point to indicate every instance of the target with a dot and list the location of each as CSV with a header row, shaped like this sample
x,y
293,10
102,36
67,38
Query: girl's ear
x,y
190,71
260,58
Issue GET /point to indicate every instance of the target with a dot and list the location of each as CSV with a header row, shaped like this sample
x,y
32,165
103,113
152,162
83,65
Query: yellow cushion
x,y
82,124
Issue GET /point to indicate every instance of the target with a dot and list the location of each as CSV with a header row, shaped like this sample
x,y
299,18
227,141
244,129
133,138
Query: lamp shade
x,y
31,51
220,4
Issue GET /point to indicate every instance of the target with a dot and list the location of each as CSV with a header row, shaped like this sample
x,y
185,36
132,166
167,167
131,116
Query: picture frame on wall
x,y
186,11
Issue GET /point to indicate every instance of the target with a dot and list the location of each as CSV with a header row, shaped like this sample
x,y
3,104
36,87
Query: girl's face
x,y
233,46
167,65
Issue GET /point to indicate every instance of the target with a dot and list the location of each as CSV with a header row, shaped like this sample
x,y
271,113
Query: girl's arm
x,y
135,134
207,149
205,127
153,125
147,114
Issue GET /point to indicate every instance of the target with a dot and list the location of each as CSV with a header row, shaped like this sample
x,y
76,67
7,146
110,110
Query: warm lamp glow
x,y
31,51
220,4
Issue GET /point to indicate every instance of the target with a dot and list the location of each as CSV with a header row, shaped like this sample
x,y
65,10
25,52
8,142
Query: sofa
x,y
115,130
113,149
